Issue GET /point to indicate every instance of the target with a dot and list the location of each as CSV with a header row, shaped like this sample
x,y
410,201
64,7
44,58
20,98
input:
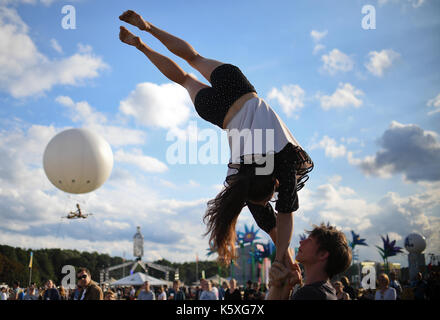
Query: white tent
x,y
217,278
138,279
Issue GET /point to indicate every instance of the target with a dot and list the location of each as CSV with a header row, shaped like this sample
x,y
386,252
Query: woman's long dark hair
x,y
223,211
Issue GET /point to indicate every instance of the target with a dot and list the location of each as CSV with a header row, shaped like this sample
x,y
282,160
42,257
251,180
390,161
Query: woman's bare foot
x,y
129,38
135,19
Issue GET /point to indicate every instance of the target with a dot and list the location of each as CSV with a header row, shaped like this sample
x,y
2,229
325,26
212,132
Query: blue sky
x,y
365,104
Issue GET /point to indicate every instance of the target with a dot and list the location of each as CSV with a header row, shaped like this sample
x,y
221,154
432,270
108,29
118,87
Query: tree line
x,y
48,263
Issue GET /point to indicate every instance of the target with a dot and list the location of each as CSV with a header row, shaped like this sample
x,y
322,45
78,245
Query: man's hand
x,y
282,280
280,276
288,261
295,277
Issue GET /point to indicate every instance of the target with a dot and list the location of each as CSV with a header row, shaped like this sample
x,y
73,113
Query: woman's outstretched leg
x,y
176,45
168,67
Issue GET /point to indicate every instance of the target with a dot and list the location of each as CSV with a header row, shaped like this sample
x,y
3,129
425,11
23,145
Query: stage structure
x,y
415,244
254,258
138,252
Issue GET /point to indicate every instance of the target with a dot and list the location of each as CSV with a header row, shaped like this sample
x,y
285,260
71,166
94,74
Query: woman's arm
x,y
284,232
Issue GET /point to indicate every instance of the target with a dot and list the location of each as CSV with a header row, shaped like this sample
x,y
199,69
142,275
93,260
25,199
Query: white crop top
x,y
256,129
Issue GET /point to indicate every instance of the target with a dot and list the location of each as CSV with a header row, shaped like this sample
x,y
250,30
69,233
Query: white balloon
x,y
415,243
77,161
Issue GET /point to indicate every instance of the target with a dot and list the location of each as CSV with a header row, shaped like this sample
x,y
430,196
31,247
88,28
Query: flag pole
x,y
197,267
30,269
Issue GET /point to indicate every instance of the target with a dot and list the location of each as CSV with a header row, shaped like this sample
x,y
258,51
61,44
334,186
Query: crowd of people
x,y
322,259
87,289
388,287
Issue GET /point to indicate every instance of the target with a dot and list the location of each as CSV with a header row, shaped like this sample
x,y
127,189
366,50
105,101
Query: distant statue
x,y
138,244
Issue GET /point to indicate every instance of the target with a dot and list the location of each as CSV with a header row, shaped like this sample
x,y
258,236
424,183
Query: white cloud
x,y
380,61
164,106
337,61
218,187
290,98
145,163
435,104
193,184
116,224
414,3
317,35
82,111
345,96
24,71
56,46
167,184
87,116
318,47
32,2
332,149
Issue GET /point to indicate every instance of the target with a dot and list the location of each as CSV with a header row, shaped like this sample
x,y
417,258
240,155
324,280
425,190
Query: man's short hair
x,y
335,243
82,269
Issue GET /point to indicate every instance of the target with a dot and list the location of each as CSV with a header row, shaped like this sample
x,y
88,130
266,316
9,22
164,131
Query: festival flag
x,y
30,261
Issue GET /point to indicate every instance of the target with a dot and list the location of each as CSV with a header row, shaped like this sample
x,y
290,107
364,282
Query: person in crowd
x,y
207,293
420,287
323,254
394,283
263,291
132,293
185,291
76,293
4,294
433,292
222,290
119,293
407,291
90,289
36,290
256,293
146,293
214,289
383,291
162,293
233,293
51,292
348,288
16,290
125,293
63,293
248,290
31,293
340,293
109,295
176,293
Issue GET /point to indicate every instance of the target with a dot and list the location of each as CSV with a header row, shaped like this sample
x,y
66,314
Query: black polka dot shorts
x,y
228,84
